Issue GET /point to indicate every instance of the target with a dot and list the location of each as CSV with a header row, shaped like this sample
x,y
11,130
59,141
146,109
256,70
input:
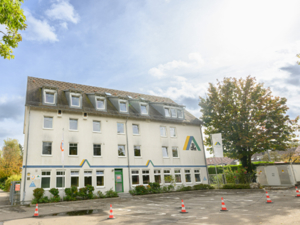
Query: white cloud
x,y
178,67
62,10
38,30
64,25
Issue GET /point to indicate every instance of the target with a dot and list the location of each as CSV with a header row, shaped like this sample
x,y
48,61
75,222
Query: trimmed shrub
x,y
111,193
90,189
83,193
38,193
55,194
141,190
236,186
100,194
71,194
10,179
202,187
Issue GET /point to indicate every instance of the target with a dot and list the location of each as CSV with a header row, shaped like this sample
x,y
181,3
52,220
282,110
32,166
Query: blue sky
x,y
171,48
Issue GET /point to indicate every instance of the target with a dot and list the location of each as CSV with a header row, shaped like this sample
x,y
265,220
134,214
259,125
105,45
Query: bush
x,y
71,194
10,179
90,191
43,200
236,186
38,193
202,187
165,189
154,187
141,190
132,192
100,194
83,193
111,193
55,194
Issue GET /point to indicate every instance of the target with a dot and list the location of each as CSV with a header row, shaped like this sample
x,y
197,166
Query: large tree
x,y
11,159
248,116
13,19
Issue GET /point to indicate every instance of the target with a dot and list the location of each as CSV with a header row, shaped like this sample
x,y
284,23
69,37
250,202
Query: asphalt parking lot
x,y
203,207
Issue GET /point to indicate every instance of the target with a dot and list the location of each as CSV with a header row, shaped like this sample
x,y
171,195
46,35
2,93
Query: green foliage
x,y
100,194
10,179
154,187
2,185
141,190
184,188
71,194
12,16
34,201
55,193
45,199
202,187
90,189
236,186
248,116
111,193
132,192
38,193
83,193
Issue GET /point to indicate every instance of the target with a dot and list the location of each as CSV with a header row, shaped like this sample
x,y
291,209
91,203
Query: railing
x,y
14,193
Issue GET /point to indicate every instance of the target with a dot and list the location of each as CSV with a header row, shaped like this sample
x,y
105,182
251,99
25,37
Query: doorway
x,y
119,180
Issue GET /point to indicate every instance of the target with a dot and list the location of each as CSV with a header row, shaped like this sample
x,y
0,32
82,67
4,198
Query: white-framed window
x,y
100,178
120,128
167,176
97,150
135,129
74,178
100,103
121,150
163,131
49,96
144,109
73,124
45,179
60,179
48,122
137,151
188,176
123,106
172,132
167,112
174,113
157,176
75,99
96,126
177,176
146,176
175,152
73,149
165,152
197,176
135,177
47,148
88,175
179,113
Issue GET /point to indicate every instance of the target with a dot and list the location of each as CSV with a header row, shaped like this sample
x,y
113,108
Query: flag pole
x,y
62,148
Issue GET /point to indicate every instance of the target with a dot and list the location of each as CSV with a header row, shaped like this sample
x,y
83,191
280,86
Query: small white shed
x,y
282,174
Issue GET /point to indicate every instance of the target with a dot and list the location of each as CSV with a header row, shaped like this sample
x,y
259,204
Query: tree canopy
x,y
13,18
11,158
248,116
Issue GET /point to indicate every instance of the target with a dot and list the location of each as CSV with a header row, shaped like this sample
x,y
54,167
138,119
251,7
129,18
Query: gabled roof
x,y
34,99
219,161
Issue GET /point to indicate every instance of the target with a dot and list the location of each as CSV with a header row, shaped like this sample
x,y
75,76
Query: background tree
x,y
250,119
291,156
10,162
274,156
13,18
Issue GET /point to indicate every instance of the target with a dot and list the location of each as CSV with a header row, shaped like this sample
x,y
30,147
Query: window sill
x,y
46,155
176,158
136,135
100,186
73,155
97,132
47,128
138,157
121,133
97,156
47,189
121,156
60,188
73,130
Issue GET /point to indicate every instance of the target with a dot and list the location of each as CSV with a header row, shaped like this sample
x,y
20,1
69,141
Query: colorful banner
x,y
217,144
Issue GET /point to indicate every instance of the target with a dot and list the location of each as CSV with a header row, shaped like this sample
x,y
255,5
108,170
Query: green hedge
x,y
236,186
212,170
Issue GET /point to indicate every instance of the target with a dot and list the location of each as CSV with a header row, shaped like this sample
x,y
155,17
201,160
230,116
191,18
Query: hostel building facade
x,y
110,139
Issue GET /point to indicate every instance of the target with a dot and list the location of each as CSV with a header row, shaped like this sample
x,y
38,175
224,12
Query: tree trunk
x,y
244,161
250,169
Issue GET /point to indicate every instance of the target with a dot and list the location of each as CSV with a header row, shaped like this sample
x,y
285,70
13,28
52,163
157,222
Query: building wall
x,y
149,139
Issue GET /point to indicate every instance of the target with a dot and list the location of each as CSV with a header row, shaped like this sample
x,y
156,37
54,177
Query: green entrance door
x,y
119,180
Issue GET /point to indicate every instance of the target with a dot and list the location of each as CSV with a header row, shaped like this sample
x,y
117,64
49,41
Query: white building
x,y
112,139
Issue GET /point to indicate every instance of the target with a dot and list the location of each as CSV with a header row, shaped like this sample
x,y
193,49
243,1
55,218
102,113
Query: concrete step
x,y
125,195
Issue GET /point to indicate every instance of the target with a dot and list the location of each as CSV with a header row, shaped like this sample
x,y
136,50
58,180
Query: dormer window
x,y
179,113
144,109
167,112
75,100
174,113
123,106
50,97
100,103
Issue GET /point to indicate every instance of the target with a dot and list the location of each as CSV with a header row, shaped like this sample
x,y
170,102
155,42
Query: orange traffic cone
x,y
268,198
223,205
111,216
297,192
183,207
36,212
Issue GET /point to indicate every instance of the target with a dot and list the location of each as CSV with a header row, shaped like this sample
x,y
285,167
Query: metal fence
x,y
14,193
220,179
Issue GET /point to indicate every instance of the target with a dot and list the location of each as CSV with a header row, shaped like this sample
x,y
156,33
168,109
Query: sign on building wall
x,y
217,144
191,144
